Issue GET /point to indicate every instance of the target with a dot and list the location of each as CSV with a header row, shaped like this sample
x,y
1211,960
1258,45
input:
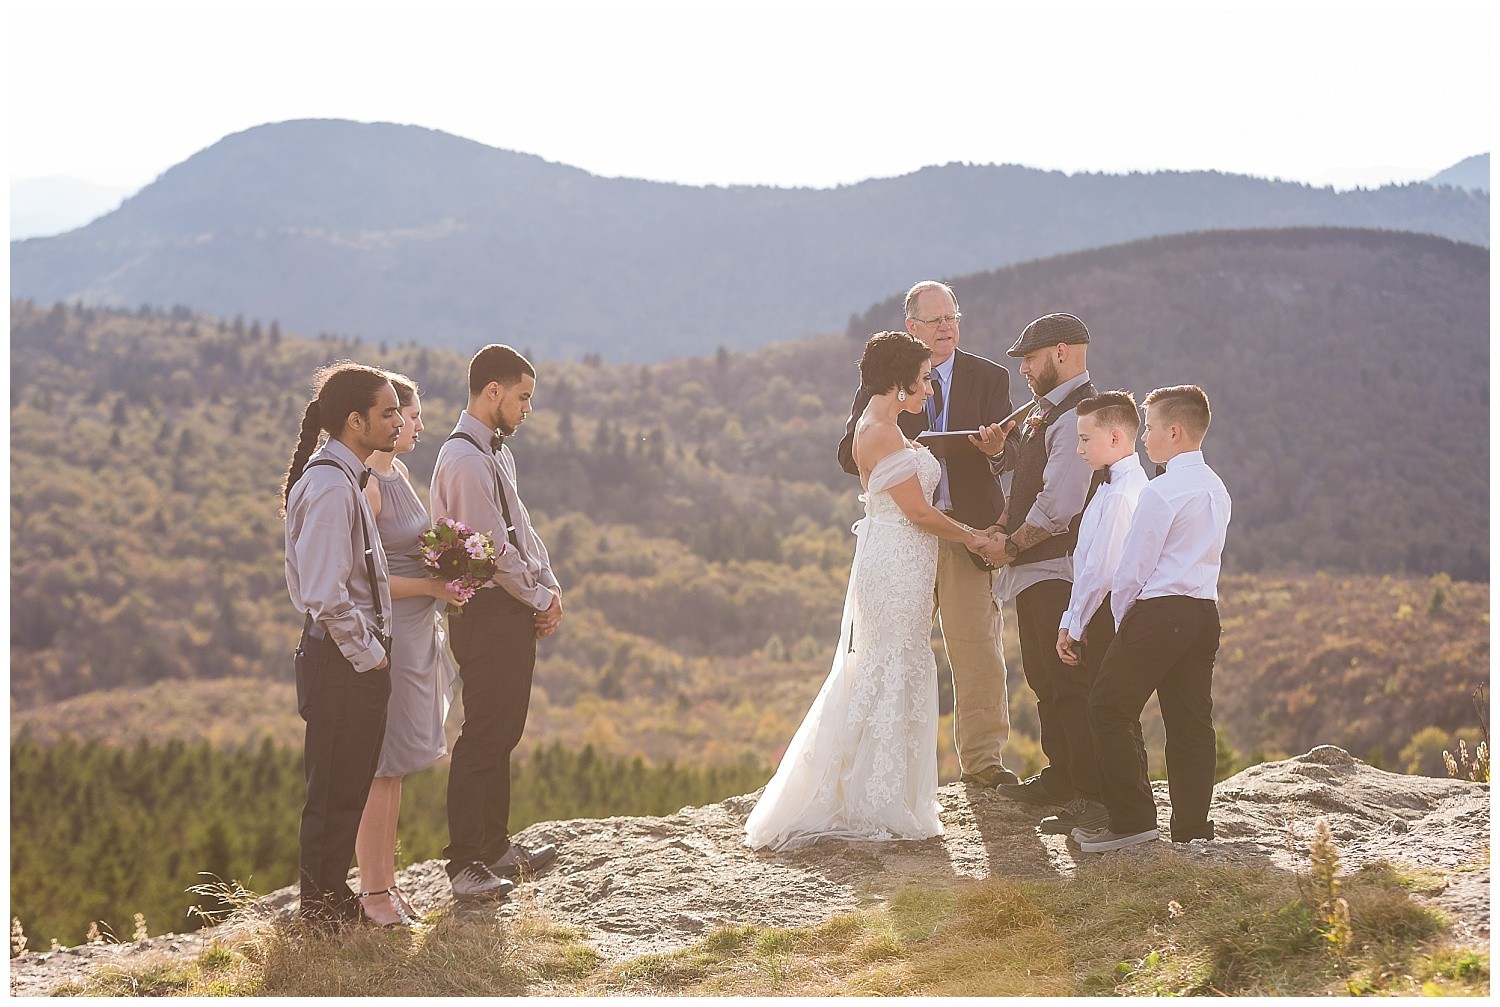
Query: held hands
x,y
1067,648
991,439
547,622
991,546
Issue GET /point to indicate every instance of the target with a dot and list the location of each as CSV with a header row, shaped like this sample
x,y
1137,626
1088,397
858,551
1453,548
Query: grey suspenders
x,y
510,526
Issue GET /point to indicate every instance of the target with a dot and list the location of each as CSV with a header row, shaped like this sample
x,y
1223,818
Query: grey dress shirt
x,y
465,488
325,556
1065,485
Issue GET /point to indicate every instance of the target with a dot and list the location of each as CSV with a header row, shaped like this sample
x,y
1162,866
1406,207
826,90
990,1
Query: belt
x,y
312,629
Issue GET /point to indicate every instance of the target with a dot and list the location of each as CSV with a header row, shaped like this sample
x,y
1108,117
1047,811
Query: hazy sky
x,y
1329,93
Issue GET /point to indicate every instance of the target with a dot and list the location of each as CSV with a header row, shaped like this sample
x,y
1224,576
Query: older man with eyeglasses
x,y
969,391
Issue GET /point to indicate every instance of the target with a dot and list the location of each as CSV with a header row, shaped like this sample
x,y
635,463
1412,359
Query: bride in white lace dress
x,y
863,765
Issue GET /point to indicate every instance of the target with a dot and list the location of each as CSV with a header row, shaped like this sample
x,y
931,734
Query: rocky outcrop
x,y
642,885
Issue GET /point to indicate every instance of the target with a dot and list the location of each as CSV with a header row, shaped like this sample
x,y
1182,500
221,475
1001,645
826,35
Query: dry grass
x,y
1157,925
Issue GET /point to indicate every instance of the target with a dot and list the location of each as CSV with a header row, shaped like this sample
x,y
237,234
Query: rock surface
x,y
641,885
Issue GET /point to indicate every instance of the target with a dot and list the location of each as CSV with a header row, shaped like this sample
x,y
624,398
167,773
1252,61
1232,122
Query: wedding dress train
x,y
863,764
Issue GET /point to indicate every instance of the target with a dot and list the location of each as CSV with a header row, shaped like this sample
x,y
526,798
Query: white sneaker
x,y
1102,842
477,882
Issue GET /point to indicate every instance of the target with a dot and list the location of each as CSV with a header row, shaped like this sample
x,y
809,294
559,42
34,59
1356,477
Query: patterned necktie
x,y
364,478
936,400
496,440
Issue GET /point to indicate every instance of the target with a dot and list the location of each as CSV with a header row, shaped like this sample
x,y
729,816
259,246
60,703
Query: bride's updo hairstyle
x,y
891,360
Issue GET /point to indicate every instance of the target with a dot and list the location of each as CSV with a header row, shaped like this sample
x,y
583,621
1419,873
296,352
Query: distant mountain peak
x,y
1471,173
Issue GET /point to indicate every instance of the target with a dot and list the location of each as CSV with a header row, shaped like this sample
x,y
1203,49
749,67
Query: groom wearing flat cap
x,y
1039,527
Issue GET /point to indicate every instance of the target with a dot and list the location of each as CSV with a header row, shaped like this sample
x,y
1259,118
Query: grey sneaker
x,y
518,859
1080,813
476,882
1104,841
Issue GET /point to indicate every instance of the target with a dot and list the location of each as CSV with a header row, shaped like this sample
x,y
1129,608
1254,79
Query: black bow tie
x,y
496,441
1104,474
364,478
1161,469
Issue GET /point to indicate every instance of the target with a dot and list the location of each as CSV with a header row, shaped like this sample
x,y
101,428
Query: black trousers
x,y
494,643
1167,646
345,715
1074,683
1039,609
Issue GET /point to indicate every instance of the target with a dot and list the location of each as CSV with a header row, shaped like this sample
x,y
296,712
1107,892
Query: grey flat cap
x,y
1049,330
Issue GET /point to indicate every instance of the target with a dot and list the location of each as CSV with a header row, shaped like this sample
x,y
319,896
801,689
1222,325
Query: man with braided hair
x,y
337,576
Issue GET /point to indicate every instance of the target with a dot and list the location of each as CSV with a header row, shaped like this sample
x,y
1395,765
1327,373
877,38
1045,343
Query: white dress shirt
x,y
1101,538
1176,540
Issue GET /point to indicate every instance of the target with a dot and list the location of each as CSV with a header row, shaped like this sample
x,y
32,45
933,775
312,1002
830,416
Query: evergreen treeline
x,y
99,832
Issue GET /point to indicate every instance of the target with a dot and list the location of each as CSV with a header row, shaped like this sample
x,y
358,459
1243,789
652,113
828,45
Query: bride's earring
x,y
900,396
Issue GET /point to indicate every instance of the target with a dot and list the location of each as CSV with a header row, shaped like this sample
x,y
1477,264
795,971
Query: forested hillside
x,y
700,524
401,233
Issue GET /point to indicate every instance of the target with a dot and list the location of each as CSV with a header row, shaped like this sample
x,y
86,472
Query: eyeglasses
x,y
952,319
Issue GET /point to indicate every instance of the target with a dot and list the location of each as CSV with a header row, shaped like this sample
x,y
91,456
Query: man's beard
x,y
1046,380
504,428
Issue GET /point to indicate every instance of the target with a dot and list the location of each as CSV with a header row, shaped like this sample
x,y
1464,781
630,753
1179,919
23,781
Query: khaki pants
x,y
965,608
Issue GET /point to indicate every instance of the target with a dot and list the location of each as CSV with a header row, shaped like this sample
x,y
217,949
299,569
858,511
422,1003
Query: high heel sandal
x,y
405,908
403,918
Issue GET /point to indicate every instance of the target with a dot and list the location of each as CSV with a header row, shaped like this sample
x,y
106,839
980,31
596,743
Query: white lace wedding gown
x,y
863,765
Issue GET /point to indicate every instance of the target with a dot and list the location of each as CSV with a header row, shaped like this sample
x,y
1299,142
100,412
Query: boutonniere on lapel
x,y
1035,422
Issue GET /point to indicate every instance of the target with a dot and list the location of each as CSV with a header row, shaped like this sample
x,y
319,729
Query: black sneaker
x,y
518,859
1036,791
1081,813
476,882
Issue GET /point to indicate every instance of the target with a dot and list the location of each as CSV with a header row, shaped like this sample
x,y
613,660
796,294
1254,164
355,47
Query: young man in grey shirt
x,y
494,639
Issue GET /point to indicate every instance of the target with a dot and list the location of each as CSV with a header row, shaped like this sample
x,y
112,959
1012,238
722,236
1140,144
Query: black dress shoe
x,y
1036,791
994,776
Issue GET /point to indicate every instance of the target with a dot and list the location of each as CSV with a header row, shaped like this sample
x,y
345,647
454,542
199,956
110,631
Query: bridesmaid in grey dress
x,y
422,673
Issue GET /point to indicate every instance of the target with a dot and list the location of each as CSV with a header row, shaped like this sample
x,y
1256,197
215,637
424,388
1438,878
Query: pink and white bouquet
x,y
465,559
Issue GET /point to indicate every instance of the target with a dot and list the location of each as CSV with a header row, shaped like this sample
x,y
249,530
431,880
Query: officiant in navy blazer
x,y
969,391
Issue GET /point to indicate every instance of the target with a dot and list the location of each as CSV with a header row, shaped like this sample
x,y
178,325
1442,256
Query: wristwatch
x,y
1011,549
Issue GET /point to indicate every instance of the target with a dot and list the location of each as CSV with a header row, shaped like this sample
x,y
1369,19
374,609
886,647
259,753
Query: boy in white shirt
x,y
1107,425
1164,594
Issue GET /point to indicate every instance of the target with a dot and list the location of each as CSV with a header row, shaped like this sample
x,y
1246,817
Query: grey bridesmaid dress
x,y
422,672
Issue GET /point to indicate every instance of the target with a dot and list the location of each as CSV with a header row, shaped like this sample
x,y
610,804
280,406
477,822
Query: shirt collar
x,y
1062,391
474,428
335,449
1130,462
1186,459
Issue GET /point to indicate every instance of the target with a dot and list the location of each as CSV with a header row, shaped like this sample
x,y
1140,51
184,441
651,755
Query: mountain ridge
x,y
399,232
